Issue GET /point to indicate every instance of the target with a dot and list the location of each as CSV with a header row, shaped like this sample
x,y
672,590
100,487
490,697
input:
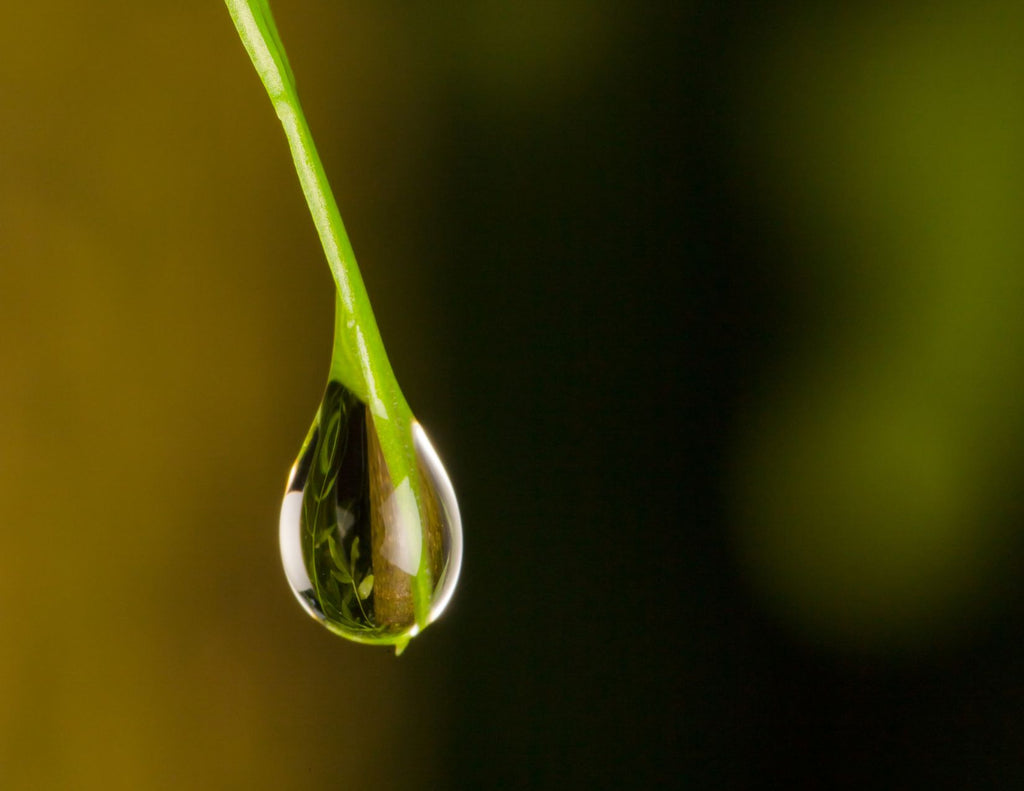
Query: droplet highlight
x,y
373,559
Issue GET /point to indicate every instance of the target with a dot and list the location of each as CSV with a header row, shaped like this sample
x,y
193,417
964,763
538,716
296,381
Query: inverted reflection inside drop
x,y
361,554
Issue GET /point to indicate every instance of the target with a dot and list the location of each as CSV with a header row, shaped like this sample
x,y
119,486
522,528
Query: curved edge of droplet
x,y
446,496
290,539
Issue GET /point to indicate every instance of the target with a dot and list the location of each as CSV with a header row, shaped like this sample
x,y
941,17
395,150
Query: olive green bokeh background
x,y
713,312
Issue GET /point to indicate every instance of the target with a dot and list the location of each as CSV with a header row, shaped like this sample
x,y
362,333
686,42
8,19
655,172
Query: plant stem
x,y
363,343
358,361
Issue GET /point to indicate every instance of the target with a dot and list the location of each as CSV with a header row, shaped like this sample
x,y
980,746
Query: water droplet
x,y
373,559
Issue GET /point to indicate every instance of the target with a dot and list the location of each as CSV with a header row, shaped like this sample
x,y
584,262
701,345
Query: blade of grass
x,y
359,361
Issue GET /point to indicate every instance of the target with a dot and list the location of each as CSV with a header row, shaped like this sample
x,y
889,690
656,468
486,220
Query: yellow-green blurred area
x,y
714,312
880,473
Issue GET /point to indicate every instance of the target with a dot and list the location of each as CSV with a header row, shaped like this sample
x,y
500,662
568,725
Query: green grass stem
x,y
358,361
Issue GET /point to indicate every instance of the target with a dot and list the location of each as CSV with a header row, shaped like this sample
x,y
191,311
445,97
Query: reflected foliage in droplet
x,y
359,548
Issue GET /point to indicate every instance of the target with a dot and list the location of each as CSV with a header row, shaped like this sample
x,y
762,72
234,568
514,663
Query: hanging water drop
x,y
372,558
370,533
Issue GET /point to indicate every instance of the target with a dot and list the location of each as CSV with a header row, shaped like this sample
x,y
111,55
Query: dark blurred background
x,y
712,309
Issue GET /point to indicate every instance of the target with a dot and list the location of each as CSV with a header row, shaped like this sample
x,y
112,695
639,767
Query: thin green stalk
x,y
359,361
